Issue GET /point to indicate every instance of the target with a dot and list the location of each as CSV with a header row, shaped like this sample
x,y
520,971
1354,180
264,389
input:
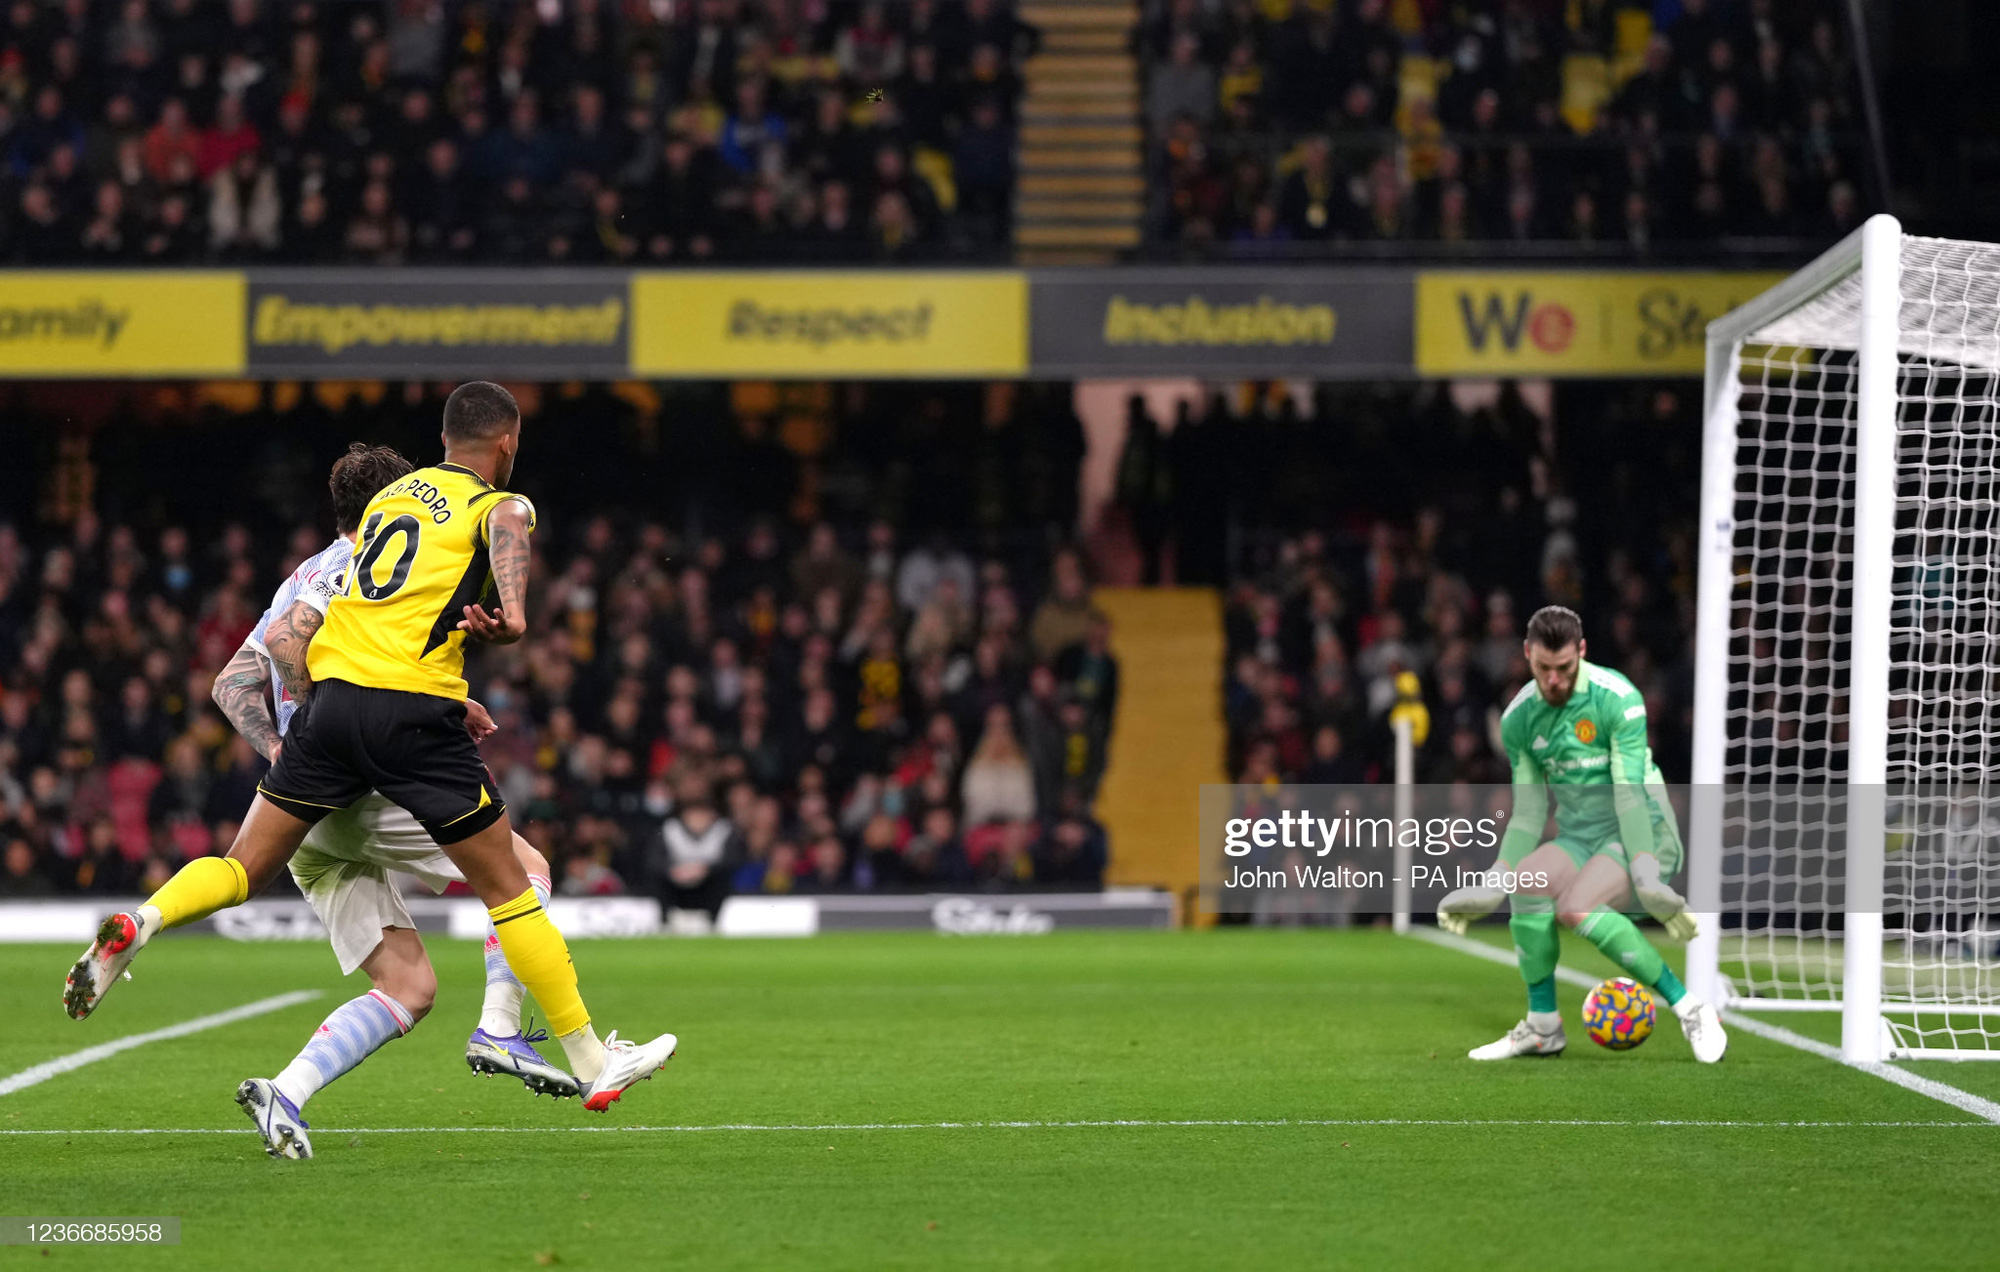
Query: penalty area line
x,y
1943,1092
105,1050
1102,1124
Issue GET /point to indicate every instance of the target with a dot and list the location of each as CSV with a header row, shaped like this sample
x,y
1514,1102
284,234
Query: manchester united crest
x,y
1586,731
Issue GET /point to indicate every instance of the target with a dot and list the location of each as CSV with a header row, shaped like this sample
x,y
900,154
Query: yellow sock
x,y
199,889
540,959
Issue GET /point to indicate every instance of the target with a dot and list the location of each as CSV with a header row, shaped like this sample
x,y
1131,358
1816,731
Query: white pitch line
x,y
104,1050
1943,1092
1106,1124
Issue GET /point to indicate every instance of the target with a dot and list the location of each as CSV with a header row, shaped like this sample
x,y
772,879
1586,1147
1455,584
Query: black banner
x,y
1344,324
443,325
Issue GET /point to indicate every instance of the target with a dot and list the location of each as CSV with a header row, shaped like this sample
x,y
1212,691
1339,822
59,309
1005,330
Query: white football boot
x,y
284,1131
92,975
624,1064
1702,1024
1522,1040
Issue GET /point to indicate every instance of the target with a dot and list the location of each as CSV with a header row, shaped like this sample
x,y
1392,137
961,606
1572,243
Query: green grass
x,y
1174,1026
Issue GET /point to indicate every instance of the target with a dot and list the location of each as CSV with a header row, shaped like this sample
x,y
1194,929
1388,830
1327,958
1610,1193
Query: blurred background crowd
x,y
1276,126
184,131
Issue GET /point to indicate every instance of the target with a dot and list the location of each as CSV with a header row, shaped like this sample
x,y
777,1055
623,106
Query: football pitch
x,y
1156,1099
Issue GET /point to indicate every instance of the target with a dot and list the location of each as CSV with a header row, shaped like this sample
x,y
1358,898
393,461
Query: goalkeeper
x,y
1578,731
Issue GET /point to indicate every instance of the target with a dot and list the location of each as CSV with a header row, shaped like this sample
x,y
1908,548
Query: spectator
x,y
172,138
1182,87
21,875
998,785
1066,614
700,851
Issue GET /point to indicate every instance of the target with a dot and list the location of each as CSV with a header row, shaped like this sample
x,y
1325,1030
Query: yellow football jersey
x,y
419,560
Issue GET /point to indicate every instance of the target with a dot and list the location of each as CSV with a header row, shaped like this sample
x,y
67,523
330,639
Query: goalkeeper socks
x,y
197,890
1622,942
1542,996
1670,987
540,959
501,1014
355,1030
1536,945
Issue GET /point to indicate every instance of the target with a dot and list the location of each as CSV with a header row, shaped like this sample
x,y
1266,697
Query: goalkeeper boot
x,y
277,1119
624,1064
1523,1040
105,961
1702,1024
515,1056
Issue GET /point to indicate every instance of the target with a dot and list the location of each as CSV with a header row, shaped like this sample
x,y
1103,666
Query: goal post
x,y
1847,650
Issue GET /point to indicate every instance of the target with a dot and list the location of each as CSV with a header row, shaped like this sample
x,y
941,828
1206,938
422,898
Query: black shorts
x,y
412,747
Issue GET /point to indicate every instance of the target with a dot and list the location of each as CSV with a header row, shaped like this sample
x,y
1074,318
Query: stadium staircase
x,y
1081,191
1169,735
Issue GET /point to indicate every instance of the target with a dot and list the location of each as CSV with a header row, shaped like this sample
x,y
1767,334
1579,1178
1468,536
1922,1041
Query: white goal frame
x,y
1874,253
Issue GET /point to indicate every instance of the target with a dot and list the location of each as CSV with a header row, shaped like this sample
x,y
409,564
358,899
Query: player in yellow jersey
x,y
384,709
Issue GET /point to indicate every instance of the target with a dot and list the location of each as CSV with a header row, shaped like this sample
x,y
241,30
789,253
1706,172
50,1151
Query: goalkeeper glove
x,y
1666,906
1457,911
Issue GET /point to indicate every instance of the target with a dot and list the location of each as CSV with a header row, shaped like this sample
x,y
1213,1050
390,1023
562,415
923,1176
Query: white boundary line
x,y
104,1050
1107,1124
1965,1101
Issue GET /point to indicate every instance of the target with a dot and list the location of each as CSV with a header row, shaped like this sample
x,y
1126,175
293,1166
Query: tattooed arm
x,y
243,692
507,530
287,638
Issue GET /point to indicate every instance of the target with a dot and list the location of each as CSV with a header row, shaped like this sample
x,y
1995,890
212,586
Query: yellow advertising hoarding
x,y
1577,323
112,323
830,323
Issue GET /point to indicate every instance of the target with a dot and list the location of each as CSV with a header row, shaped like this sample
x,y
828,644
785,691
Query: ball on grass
x,y
1619,1014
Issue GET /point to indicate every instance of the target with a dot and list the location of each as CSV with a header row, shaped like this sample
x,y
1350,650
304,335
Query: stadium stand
x,y
186,131
1281,128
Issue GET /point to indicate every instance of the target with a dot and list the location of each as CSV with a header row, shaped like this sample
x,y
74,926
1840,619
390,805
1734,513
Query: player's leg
x,y
370,929
498,1044
267,838
1537,947
540,958
311,779
501,1013
1595,906
405,985
419,756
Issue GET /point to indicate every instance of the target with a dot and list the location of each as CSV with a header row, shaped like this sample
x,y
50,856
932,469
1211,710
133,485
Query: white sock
x,y
585,1052
500,1016
350,1035
1545,1022
150,920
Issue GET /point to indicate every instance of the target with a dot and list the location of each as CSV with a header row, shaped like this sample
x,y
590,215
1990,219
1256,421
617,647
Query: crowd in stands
x,y
1380,585
1621,125
777,704
175,132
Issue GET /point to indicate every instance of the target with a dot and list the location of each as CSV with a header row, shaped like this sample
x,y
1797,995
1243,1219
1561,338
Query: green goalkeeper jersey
x,y
1592,754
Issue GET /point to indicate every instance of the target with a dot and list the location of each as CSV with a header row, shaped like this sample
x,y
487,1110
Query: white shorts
x,y
343,868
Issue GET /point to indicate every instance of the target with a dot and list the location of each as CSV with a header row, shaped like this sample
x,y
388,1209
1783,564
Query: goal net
x,y
1845,829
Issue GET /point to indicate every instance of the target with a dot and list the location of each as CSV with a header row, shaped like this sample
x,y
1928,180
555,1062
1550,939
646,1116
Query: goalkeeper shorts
x,y
1666,846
